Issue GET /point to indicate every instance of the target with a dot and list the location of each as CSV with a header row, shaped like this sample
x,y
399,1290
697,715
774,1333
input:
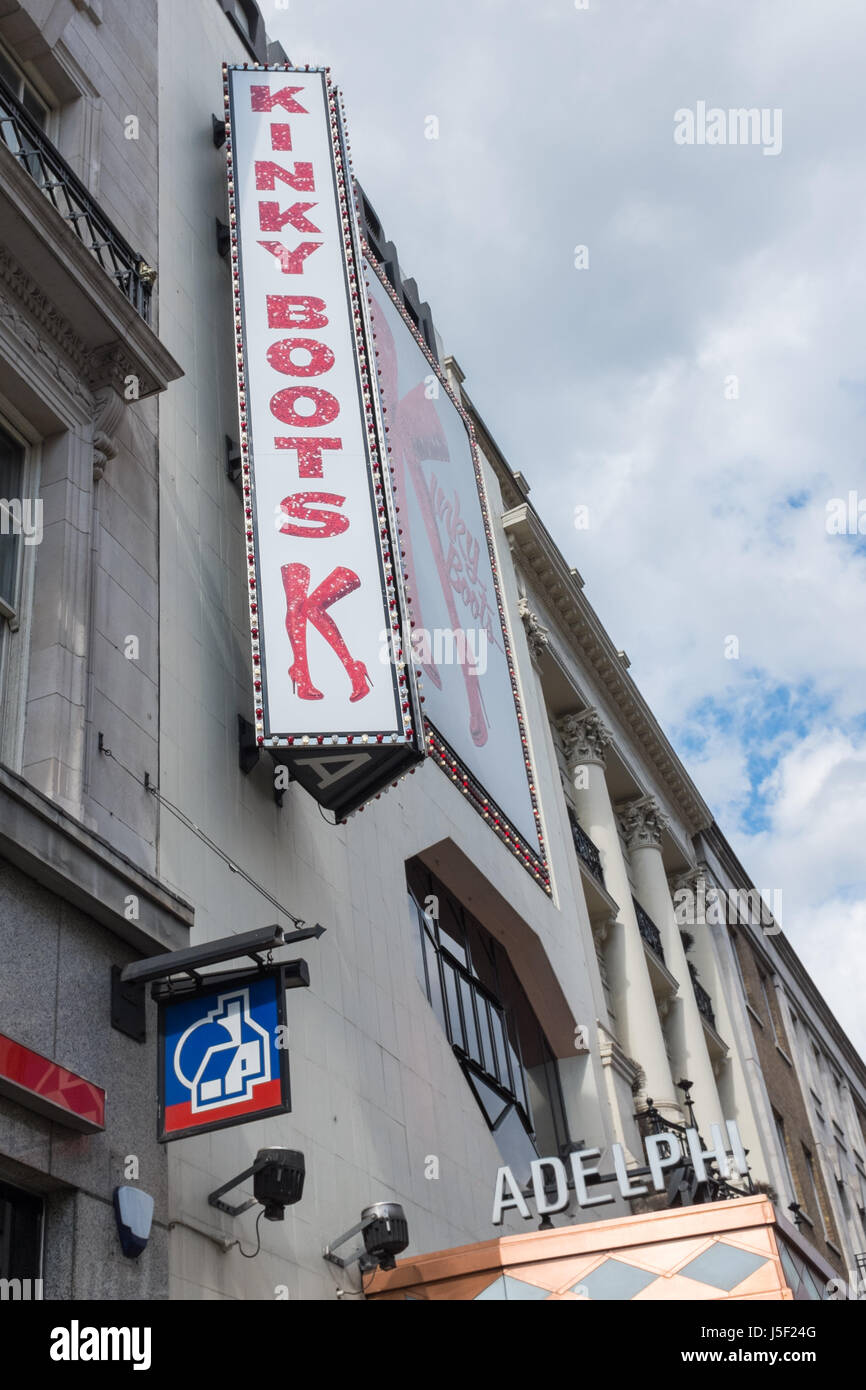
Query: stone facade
x,y
128,825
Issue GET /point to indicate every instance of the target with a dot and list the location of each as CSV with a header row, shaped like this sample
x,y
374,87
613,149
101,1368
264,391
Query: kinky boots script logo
x,y
311,513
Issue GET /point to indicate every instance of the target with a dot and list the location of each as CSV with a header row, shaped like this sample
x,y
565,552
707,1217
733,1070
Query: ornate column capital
x,y
537,635
642,822
584,736
692,878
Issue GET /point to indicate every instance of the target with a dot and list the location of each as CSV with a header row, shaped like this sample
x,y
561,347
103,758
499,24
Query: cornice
x,y
35,334
563,589
22,285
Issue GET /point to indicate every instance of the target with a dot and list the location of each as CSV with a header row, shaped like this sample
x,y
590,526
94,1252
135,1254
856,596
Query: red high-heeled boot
x,y
339,583
296,582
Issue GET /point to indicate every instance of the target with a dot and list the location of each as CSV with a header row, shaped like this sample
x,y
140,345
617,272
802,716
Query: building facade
x,y
461,1014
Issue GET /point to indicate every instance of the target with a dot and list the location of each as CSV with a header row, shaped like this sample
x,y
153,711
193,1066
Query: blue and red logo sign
x,y
221,1062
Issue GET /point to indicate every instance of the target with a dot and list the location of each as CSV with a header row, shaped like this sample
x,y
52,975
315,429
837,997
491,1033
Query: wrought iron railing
x,y
684,1188
585,847
30,146
648,930
703,1000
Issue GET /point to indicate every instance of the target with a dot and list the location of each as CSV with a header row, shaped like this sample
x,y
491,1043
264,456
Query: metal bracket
x,y
214,1197
328,1252
248,749
218,129
191,959
128,1007
296,975
233,461
223,238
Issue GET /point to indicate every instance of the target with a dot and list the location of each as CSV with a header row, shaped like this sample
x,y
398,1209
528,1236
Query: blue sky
x,y
700,385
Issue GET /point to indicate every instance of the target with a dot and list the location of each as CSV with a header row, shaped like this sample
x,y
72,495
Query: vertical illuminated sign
x,y
325,582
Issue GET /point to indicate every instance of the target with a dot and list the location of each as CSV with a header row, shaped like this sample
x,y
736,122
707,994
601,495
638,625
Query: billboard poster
x,y
323,580
459,640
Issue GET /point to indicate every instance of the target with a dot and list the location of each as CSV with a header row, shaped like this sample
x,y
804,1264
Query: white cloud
x,y
607,386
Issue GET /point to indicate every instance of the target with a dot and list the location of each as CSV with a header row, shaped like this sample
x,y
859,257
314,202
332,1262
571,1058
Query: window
x,y
819,1106
490,1023
736,954
840,1138
766,997
783,1155
23,90
861,1205
814,1199
11,503
843,1198
20,1234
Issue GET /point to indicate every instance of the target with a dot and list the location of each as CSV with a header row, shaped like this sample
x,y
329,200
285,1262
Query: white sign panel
x,y
322,583
460,641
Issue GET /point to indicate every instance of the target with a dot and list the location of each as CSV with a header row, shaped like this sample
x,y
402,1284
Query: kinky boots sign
x,y
324,574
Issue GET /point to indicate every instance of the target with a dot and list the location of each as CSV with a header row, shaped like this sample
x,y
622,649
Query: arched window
x,y
491,1025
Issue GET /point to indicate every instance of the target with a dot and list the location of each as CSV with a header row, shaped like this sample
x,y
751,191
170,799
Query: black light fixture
x,y
278,1182
797,1211
685,1087
385,1232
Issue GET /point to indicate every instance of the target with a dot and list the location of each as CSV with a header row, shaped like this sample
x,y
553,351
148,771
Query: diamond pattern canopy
x,y
506,1287
614,1280
723,1266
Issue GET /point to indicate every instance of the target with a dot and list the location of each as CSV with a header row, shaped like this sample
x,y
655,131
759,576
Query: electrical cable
x,y
258,1239
205,838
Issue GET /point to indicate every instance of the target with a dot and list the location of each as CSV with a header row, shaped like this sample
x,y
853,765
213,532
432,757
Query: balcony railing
x,y
585,848
648,930
30,146
703,1000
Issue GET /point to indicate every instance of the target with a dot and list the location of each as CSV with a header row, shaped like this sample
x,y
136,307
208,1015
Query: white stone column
x,y
642,824
640,1033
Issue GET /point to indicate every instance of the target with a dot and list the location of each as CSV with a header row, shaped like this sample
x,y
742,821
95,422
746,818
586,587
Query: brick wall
x,y
774,1054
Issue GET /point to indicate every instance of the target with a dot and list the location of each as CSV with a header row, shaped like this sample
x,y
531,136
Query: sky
x,y
694,376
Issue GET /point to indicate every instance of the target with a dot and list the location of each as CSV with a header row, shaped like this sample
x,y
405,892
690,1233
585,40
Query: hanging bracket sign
x,y
324,570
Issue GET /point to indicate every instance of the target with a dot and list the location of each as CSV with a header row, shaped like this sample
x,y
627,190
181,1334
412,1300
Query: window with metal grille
x,y
491,1025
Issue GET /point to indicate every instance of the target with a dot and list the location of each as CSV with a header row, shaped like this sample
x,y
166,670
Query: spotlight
x,y
278,1182
385,1233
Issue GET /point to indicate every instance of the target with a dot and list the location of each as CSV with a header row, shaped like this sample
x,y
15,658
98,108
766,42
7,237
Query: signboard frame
x,y
534,859
341,767
216,983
